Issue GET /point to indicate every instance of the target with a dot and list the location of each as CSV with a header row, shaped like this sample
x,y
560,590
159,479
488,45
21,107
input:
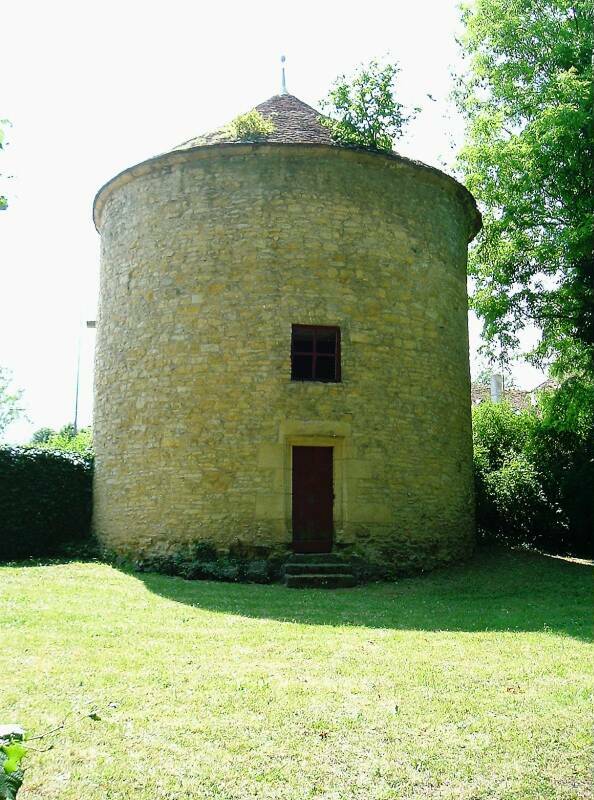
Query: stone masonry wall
x,y
207,260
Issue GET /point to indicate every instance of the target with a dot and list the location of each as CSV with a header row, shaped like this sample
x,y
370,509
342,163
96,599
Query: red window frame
x,y
314,354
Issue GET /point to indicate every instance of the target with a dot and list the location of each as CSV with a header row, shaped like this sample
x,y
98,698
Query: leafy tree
x,y
42,435
534,470
68,441
563,449
498,433
529,159
363,108
67,431
65,440
10,401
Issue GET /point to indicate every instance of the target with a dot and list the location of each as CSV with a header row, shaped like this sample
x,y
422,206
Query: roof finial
x,y
283,81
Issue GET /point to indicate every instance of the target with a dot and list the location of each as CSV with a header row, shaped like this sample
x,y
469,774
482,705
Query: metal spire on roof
x,y
283,80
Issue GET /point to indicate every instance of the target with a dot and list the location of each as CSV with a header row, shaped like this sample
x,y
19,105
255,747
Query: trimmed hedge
x,y
45,501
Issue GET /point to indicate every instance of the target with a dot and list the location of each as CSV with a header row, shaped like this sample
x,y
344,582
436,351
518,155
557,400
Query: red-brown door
x,y
313,499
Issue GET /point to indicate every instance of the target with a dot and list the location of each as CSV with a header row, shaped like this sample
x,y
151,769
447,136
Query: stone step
x,y
315,558
336,581
315,568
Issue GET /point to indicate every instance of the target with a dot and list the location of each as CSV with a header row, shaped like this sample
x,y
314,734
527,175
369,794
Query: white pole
x,y
75,426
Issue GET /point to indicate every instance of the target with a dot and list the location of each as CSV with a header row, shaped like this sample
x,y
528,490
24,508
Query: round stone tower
x,y
282,350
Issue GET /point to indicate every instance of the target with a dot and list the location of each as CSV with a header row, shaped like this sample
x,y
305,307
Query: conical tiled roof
x,y
294,123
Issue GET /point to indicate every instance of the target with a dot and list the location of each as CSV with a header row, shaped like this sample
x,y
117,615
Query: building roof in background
x,y
550,383
517,398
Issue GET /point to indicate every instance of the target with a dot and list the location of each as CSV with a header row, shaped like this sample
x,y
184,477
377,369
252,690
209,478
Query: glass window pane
x,y
302,368
326,341
302,340
325,368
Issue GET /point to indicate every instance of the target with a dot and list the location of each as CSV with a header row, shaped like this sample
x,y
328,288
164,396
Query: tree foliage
x,y
529,159
42,435
65,439
68,441
10,401
363,108
535,470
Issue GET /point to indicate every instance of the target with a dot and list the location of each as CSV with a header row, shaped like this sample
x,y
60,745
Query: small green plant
x,y
12,752
250,126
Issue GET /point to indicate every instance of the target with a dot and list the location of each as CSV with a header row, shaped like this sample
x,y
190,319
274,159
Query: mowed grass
x,y
473,682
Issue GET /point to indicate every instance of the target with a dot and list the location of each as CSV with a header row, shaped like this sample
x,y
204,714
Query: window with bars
x,y
315,353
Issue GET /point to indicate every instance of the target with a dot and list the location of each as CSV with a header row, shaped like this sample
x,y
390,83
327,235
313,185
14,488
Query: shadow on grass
x,y
495,591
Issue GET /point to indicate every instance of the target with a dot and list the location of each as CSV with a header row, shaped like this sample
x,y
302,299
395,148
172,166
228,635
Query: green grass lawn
x,y
473,682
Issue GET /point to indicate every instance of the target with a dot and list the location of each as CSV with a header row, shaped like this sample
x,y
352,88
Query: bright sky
x,y
92,88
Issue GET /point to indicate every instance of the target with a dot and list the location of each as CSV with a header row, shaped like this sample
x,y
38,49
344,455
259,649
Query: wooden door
x,y
313,499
